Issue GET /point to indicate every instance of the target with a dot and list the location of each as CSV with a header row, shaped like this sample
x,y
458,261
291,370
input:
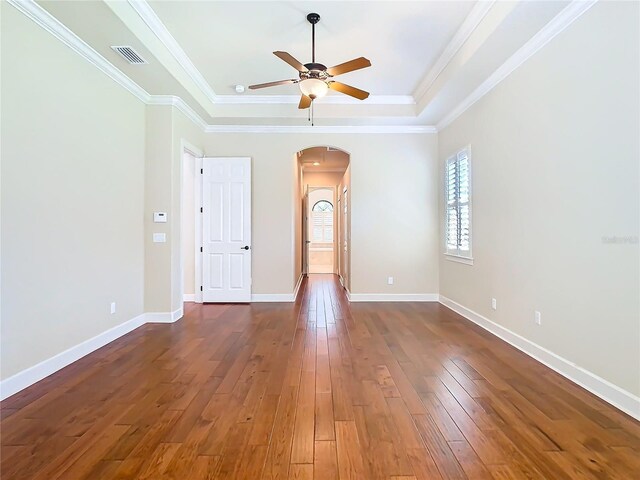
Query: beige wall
x,y
394,204
157,193
72,200
167,130
555,163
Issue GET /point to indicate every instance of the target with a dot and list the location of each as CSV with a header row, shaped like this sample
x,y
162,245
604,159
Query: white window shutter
x,y
458,204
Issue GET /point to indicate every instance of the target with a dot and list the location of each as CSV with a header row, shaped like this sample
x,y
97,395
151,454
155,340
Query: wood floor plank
x,y
351,464
325,460
315,389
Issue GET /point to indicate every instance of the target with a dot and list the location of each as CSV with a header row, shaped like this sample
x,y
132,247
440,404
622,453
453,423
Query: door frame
x,y
197,194
197,154
307,213
197,236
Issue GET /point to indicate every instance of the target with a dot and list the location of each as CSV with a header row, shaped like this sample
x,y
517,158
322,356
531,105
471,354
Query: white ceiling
x,y
429,58
233,41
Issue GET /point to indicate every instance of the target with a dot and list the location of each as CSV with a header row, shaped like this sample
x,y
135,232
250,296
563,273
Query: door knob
x,y
246,247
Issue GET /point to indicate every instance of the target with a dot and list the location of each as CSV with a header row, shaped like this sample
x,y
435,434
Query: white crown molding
x,y
607,391
45,20
52,25
561,21
34,374
393,297
154,23
478,12
328,100
181,105
348,129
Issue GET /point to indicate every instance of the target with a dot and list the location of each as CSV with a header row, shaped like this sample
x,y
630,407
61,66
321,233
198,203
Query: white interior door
x,y
226,229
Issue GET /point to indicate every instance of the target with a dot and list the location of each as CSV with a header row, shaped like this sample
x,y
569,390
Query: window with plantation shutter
x,y
458,205
322,218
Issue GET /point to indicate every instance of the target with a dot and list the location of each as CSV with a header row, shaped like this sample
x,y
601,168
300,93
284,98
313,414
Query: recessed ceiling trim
x,y
151,19
557,24
154,23
330,99
180,104
52,25
478,12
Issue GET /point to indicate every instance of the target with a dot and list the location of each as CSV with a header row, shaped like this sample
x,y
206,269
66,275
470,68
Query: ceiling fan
x,y
315,79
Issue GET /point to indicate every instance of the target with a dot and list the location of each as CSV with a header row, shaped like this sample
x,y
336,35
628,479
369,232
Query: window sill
x,y
458,259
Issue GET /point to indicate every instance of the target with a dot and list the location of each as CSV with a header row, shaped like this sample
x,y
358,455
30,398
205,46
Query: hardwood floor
x,y
320,389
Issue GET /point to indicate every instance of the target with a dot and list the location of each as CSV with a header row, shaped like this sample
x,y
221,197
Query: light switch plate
x,y
159,237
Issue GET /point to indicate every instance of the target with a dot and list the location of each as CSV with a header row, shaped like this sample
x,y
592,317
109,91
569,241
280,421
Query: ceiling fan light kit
x,y
315,79
313,88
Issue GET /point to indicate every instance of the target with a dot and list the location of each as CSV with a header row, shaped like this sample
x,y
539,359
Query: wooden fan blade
x,y
348,90
291,61
273,84
350,66
305,102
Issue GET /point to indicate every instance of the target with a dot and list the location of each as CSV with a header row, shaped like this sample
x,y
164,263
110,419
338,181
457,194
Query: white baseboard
x,y
392,297
164,317
31,375
189,297
607,391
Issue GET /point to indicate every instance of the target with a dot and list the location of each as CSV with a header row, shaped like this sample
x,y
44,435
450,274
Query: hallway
x,y
317,389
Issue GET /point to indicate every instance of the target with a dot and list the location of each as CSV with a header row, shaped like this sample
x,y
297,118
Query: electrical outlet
x,y
538,318
494,304
113,307
390,281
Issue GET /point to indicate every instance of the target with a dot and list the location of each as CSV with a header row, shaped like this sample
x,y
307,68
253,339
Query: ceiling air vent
x,y
130,55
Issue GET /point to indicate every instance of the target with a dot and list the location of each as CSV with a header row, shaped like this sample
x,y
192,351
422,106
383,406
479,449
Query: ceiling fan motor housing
x,y
313,18
315,70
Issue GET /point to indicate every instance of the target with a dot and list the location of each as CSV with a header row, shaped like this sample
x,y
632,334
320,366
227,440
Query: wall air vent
x,y
130,55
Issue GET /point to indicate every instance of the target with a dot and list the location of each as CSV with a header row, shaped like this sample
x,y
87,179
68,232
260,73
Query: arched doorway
x,y
325,188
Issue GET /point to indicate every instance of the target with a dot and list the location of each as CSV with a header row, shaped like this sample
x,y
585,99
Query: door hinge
x,y
200,249
201,171
200,287
200,209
